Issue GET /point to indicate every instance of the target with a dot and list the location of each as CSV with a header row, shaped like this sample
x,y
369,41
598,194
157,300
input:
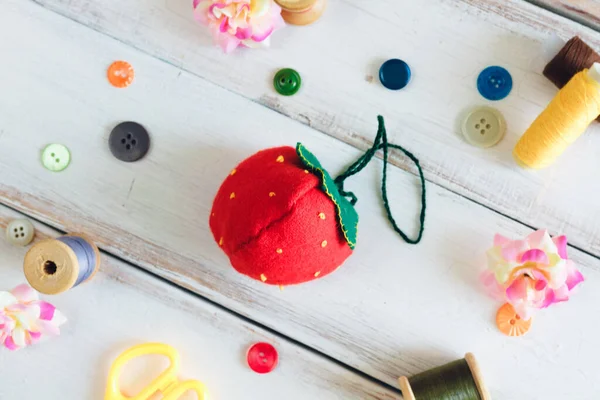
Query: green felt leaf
x,y
347,216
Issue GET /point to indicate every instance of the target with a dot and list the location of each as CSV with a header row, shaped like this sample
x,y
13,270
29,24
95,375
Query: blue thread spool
x,y
56,265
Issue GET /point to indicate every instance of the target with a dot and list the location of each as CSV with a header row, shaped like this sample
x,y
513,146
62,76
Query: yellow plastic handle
x,y
166,383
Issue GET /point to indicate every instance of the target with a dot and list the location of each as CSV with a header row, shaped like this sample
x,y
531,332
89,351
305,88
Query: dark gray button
x,y
129,141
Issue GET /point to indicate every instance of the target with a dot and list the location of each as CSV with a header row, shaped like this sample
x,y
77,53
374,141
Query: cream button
x,y
484,127
20,232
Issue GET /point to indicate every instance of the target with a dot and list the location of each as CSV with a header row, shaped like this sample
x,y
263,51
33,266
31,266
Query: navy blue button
x,y
394,74
494,83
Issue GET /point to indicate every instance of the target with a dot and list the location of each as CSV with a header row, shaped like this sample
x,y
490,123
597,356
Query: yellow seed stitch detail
x,y
263,277
280,159
233,172
324,243
221,241
322,215
317,273
279,251
232,195
306,171
272,194
281,287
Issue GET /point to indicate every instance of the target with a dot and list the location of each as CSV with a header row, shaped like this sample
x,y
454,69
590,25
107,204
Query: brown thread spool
x,y
54,266
301,12
478,391
573,58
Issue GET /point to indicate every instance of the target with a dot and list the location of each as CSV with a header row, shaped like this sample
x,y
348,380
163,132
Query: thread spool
x,y
458,380
301,12
56,265
566,118
574,57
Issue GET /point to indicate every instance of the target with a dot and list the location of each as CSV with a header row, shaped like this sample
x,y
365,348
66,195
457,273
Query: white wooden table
x,y
393,309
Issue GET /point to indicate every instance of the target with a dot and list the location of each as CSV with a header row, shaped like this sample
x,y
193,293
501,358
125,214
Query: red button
x,y
262,358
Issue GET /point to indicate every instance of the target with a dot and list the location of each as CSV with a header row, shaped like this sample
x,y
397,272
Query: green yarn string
x,y
452,381
381,143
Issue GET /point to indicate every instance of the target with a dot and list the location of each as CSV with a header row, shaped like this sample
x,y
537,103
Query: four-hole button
x,y
129,141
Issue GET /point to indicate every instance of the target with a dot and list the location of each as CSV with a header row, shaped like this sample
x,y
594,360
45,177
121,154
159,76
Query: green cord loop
x,y
381,143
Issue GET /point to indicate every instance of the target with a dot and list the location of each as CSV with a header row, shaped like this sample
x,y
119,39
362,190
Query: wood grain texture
x,y
341,94
124,306
392,309
586,12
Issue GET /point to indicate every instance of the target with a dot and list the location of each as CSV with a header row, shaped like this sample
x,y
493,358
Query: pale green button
x,y
483,127
56,157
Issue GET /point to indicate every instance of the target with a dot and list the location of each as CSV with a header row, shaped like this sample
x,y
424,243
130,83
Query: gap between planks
x,y
586,13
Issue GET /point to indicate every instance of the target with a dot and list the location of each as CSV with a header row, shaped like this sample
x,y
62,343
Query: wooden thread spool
x,y
301,12
458,380
56,265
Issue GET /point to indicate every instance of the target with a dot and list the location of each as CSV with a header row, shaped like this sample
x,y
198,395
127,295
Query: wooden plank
x,y
124,306
341,95
392,309
586,12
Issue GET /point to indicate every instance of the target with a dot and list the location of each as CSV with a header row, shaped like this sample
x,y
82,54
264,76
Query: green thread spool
x,y
458,380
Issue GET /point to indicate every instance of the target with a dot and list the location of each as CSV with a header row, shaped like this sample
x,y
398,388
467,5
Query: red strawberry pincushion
x,y
280,218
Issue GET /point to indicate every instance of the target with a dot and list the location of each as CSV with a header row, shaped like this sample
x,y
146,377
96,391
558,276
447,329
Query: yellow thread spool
x,y
566,118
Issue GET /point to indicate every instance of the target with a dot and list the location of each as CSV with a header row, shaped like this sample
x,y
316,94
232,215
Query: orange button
x,y
509,322
120,74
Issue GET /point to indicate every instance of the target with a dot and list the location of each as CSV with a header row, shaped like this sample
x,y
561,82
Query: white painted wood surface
x,y
392,309
338,58
124,306
585,11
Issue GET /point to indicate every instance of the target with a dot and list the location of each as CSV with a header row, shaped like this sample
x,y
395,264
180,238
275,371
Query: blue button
x,y
494,83
394,74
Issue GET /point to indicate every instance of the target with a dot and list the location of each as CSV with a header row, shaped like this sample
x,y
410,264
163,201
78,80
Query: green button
x,y
56,157
287,81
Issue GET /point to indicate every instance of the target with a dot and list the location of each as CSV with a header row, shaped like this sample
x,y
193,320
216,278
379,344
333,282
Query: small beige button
x,y
484,127
20,232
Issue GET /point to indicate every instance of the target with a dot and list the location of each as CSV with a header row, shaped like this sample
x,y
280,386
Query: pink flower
x,y
24,318
532,273
239,22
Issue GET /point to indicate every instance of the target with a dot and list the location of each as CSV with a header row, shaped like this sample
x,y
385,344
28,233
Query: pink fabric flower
x,y
24,319
236,23
532,273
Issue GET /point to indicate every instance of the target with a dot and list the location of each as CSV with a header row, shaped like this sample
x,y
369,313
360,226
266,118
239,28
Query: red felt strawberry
x,y
280,218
